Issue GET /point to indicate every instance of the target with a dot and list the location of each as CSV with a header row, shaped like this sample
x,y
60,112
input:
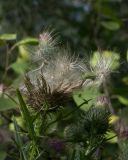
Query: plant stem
x,y
105,87
68,114
8,52
6,63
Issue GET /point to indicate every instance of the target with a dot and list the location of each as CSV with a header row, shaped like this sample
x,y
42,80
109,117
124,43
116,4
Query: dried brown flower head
x,y
53,83
41,96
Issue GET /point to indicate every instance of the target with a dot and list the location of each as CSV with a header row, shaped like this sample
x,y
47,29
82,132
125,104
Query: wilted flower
x,y
41,96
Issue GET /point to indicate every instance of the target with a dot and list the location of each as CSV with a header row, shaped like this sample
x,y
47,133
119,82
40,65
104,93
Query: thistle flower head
x,y
53,82
40,96
57,74
63,69
46,41
102,67
47,46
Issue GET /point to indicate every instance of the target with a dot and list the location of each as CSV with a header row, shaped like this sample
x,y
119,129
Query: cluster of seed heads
x,y
58,73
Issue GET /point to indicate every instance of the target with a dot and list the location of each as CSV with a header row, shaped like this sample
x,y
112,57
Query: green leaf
x,y
111,25
108,12
29,40
123,100
17,81
27,117
8,37
23,52
87,93
6,104
111,136
125,80
18,140
3,155
113,119
19,66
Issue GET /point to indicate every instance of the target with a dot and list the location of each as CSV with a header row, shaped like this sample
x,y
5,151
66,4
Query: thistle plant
x,y
57,128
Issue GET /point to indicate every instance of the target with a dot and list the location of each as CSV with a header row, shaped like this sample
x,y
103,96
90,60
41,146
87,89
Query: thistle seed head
x,y
102,68
44,51
54,82
57,74
46,41
40,96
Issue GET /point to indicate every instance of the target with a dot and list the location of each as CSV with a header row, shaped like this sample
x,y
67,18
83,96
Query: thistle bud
x,y
46,41
102,101
102,68
122,129
1,88
44,38
56,144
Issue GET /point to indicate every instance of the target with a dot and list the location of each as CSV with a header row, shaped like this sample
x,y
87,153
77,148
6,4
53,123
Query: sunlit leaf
x,y
7,36
123,100
111,136
113,119
87,94
30,41
111,25
23,52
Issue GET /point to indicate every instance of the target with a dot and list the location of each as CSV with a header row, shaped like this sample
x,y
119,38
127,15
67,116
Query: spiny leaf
x,y
19,141
8,37
27,117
